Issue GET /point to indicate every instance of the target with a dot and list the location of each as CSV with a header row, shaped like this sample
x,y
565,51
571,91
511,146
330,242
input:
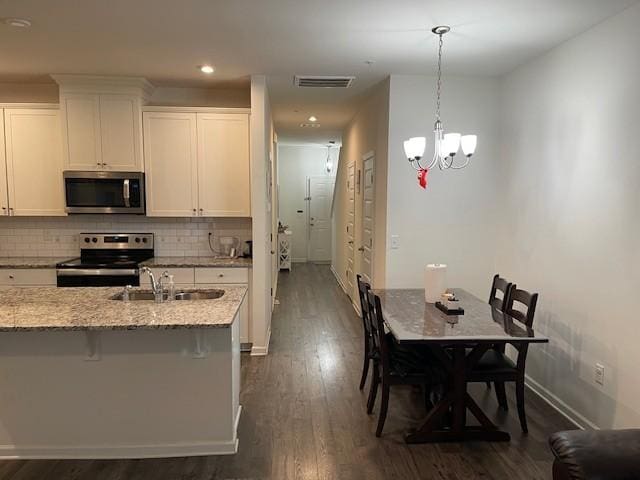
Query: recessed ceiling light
x,y
208,69
17,22
313,119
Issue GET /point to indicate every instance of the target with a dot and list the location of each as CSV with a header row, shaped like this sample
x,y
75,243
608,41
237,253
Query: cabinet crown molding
x,y
104,84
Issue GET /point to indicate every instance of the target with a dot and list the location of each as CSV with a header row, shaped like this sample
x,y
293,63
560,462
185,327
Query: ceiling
x,y
164,40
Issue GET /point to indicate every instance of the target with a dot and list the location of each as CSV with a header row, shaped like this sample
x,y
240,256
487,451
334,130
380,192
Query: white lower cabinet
x,y
24,277
202,277
181,276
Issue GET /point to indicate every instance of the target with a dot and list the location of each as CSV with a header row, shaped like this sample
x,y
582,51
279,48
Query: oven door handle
x,y
125,192
97,272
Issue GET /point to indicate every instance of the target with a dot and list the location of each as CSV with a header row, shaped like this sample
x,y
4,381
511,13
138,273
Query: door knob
x,y
350,242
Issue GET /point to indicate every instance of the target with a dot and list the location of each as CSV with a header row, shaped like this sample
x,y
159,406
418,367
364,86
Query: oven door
x,y
97,277
104,192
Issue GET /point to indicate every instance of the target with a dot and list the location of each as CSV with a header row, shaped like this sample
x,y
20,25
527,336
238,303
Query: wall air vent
x,y
322,81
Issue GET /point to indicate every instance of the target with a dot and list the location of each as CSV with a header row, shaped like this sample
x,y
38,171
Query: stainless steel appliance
x,y
104,192
106,260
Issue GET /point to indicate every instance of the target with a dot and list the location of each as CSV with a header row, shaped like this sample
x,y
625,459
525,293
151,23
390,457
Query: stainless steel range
x,y
106,259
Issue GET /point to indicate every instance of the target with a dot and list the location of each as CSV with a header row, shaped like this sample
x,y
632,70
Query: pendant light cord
x,y
439,87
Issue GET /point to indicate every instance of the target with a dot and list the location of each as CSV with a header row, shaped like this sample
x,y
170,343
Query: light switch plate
x,y
395,242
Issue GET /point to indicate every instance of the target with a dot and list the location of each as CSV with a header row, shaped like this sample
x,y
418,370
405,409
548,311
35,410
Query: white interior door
x,y
366,248
321,195
351,221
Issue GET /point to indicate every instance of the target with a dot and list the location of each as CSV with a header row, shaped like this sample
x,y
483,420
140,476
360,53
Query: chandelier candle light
x,y
446,145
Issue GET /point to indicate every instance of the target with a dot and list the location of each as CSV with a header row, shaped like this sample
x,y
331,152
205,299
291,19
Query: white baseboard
x,y
261,350
110,452
338,279
344,289
561,407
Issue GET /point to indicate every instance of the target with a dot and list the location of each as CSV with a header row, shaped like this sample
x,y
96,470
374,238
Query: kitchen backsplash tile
x,y
174,237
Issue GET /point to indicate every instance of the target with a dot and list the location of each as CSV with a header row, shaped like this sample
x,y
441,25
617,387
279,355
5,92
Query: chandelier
x,y
446,145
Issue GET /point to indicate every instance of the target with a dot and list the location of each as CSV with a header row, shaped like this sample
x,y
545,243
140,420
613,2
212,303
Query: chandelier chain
x,y
439,77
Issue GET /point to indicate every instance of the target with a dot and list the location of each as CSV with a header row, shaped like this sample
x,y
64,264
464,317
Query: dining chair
x,y
369,351
499,284
495,366
396,365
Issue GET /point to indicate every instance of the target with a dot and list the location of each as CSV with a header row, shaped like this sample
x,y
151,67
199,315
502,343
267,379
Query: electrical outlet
x,y
599,374
395,242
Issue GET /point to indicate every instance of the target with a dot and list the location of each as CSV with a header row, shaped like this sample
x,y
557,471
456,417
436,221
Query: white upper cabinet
x,y
4,194
197,164
121,134
33,147
170,150
223,165
103,132
81,129
102,122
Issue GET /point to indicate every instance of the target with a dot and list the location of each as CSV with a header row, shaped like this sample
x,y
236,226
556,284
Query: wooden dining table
x,y
459,341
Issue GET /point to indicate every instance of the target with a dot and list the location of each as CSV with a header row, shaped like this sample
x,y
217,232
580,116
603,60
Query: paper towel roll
x,y
435,282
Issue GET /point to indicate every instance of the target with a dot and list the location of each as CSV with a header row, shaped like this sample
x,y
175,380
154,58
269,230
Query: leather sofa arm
x,y
596,454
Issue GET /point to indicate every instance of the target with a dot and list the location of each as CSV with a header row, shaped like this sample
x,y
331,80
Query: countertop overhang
x,y
92,308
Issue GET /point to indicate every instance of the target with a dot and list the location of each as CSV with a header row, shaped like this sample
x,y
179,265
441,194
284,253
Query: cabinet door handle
x,y
11,277
220,275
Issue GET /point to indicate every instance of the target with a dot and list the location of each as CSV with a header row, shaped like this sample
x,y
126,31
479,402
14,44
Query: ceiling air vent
x,y
310,125
322,81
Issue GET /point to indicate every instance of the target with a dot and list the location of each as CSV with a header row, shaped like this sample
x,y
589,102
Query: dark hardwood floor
x,y
304,417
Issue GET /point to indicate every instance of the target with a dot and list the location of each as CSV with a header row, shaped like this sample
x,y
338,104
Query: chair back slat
x,y
521,306
501,285
377,331
363,292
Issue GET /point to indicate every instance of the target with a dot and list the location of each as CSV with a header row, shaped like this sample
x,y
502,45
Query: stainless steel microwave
x,y
104,192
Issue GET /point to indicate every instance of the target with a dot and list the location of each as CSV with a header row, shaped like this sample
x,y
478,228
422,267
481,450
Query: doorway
x,y
320,200
366,237
351,222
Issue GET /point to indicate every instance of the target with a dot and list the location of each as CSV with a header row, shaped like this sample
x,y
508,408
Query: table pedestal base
x,y
457,401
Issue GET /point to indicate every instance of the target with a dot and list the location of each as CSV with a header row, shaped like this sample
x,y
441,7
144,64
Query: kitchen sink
x,y
181,295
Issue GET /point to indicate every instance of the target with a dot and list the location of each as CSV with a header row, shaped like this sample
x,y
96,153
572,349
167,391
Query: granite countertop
x,y
31,262
91,308
202,262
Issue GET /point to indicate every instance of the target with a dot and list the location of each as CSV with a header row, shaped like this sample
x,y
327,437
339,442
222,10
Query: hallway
x,y
304,417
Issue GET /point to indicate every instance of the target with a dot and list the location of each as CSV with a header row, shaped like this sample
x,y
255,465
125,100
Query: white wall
x,y
571,147
296,164
261,144
454,220
367,132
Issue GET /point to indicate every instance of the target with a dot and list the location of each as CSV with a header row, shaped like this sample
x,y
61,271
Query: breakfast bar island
x,y
84,374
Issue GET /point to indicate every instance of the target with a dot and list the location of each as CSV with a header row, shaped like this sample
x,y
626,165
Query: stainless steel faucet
x,y
156,286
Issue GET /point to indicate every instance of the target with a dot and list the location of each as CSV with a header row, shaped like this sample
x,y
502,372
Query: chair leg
x,y
501,395
365,366
373,389
384,405
520,401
